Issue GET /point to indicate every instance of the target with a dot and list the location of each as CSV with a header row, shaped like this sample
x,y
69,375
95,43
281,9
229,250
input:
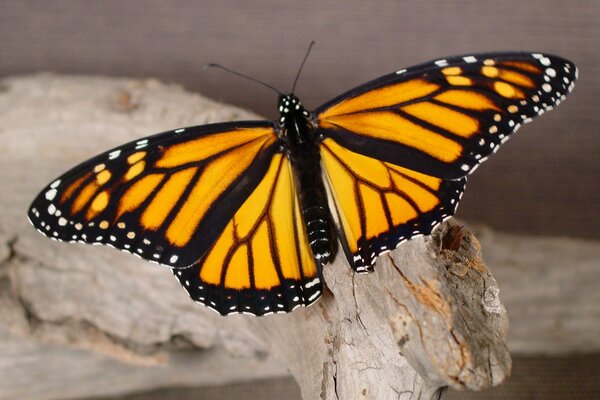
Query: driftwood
x,y
80,320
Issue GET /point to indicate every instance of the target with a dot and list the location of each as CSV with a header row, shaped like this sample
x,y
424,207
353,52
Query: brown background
x,y
544,181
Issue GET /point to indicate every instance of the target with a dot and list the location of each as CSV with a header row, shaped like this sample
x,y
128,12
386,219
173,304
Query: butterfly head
x,y
289,103
294,120
290,107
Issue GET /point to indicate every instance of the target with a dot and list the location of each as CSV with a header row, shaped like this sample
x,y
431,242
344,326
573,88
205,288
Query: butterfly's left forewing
x,y
164,198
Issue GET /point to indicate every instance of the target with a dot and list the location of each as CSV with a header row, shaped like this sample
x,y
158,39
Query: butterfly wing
x,y
396,150
165,198
261,263
216,203
443,118
380,205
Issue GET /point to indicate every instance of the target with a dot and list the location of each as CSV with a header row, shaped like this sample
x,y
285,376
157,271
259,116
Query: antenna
x,y
207,66
312,42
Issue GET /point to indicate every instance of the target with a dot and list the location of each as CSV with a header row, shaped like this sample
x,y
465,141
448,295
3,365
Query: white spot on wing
x,y
312,283
50,194
314,295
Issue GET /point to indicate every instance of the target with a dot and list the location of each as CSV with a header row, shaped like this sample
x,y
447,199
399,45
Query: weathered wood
x,y
550,288
425,319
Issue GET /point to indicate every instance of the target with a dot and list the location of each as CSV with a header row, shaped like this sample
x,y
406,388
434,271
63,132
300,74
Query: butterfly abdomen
x,y
319,233
313,203
303,152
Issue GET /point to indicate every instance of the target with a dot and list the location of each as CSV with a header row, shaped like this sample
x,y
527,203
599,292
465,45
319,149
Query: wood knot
x,y
124,101
452,238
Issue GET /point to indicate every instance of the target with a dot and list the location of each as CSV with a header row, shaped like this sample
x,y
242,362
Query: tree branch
x,y
430,315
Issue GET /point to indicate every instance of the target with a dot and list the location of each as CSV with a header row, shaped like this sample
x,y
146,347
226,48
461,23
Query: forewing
x,y
165,198
445,117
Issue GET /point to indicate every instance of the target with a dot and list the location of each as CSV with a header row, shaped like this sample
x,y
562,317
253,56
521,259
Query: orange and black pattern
x,y
380,205
164,198
230,207
445,117
432,124
261,263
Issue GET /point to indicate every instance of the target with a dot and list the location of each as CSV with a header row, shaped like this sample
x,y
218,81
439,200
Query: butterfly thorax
x,y
301,144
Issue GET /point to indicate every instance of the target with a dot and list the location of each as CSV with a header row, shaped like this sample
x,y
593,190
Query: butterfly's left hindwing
x,y
261,263
164,198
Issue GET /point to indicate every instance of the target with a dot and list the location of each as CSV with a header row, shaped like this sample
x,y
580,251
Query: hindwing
x,y
380,205
261,263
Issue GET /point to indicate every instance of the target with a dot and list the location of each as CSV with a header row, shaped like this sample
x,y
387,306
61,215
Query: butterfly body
x,y
301,145
246,214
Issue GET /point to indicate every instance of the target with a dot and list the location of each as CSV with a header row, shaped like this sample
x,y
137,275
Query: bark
x,y
78,320
429,317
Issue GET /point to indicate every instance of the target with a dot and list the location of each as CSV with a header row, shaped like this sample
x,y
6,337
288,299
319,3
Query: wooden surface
x,y
81,320
539,377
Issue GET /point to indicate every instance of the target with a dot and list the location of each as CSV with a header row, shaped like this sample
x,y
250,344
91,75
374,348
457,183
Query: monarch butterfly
x,y
246,214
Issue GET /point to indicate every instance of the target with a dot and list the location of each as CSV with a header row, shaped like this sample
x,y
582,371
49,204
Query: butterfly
x,y
246,214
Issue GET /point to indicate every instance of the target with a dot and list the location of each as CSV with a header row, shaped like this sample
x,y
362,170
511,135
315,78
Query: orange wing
x,y
396,151
380,205
261,263
165,198
445,117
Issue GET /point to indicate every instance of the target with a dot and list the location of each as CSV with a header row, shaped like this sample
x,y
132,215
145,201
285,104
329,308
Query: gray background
x,y
543,181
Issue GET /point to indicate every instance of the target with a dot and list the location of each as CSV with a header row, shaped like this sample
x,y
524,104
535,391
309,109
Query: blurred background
x,y
543,182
